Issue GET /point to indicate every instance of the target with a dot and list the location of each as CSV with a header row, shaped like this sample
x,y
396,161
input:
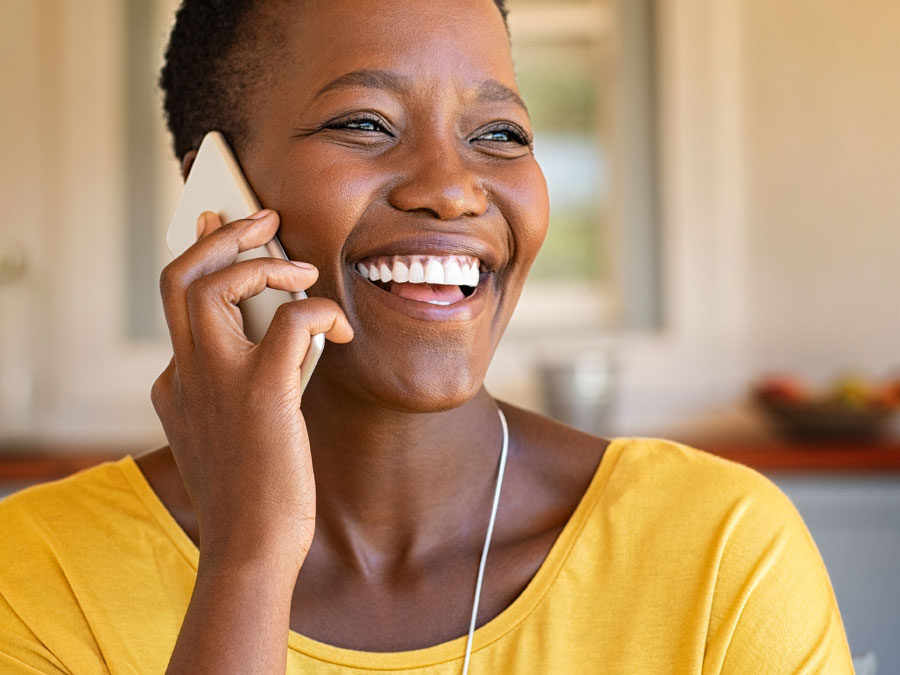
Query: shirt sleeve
x,y
774,609
21,652
42,629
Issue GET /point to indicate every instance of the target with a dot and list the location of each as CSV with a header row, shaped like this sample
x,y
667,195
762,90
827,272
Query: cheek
x,y
320,206
524,201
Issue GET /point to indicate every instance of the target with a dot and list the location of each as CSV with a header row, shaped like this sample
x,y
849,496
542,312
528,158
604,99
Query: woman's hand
x,y
231,409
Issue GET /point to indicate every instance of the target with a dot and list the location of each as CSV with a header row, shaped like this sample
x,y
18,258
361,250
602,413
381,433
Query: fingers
x,y
212,301
202,288
219,245
294,323
208,222
217,248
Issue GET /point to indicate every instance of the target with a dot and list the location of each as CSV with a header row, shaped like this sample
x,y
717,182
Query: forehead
x,y
423,40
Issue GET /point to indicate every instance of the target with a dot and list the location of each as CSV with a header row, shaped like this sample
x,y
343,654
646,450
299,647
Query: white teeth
x,y
452,273
416,273
434,272
400,273
440,270
473,275
438,302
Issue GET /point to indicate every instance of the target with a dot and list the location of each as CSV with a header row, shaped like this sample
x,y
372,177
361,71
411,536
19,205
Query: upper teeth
x,y
448,270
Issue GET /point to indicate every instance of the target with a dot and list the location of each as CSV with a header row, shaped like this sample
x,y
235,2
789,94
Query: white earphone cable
x,y
487,540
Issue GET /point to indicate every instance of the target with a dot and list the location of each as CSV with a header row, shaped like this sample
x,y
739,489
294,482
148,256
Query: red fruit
x,y
888,396
783,389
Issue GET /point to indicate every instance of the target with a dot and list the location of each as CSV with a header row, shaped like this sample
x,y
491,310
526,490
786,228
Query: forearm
x,y
237,621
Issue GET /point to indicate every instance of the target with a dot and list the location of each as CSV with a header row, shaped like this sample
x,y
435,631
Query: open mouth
x,y
436,280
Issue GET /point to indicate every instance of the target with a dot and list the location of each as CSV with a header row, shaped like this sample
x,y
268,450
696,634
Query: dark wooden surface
x,y
776,455
24,465
37,464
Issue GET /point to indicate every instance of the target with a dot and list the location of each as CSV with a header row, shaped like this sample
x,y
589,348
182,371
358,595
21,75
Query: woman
x,y
342,531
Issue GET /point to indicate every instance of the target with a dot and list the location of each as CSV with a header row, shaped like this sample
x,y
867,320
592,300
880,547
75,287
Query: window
x,y
585,71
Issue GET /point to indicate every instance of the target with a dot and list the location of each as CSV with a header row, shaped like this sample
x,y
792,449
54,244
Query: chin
x,y
419,381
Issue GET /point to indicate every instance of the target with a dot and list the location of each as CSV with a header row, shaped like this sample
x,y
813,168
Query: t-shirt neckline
x,y
443,652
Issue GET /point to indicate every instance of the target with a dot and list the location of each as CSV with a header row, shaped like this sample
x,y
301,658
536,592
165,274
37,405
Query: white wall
x,y
822,109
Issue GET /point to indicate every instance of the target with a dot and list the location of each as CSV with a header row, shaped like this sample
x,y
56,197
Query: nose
x,y
438,181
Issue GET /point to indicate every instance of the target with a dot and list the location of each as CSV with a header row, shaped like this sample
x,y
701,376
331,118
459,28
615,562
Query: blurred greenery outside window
x,y
559,66
585,71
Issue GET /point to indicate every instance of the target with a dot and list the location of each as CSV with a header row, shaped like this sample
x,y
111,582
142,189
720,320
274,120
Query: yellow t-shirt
x,y
675,561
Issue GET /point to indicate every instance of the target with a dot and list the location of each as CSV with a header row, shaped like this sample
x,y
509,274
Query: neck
x,y
395,484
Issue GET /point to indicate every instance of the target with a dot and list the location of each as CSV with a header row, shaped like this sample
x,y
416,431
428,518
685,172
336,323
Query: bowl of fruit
x,y
852,407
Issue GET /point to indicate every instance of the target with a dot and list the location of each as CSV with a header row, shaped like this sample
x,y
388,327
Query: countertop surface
x,y
23,465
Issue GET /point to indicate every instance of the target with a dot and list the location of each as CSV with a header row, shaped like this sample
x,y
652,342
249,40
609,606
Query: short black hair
x,y
214,60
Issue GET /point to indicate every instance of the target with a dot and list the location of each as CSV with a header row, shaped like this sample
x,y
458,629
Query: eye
x,y
505,133
358,123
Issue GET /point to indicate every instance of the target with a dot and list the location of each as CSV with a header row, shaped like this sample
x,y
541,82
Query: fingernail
x,y
304,265
260,214
202,223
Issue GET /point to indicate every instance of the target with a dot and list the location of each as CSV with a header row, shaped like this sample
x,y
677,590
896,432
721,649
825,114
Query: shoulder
x,y
705,504
674,502
636,477
69,499
83,562
45,524
738,538
685,533
671,472
50,535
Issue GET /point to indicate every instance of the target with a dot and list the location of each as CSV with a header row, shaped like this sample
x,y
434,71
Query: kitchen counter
x,y
769,455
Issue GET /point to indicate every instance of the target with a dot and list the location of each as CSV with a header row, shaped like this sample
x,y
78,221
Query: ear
x,y
187,163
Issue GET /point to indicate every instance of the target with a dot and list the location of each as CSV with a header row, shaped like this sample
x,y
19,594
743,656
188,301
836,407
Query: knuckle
x,y
233,228
320,305
236,231
288,316
285,312
200,291
161,392
299,311
303,318
170,279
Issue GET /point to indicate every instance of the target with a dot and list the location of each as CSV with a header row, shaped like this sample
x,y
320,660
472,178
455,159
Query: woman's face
x,y
391,131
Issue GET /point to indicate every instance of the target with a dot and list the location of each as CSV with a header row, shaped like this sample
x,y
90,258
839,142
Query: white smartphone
x,y
216,183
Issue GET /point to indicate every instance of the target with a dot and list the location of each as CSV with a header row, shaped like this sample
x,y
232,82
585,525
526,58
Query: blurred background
x,y
722,266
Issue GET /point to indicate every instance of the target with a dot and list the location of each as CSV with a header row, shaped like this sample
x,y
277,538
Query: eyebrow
x,y
371,79
490,91
494,92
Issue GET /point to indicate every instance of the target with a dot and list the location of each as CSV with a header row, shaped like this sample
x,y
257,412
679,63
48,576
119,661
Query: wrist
x,y
271,561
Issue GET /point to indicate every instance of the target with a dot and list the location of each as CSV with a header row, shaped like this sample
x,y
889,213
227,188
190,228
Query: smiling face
x,y
393,138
